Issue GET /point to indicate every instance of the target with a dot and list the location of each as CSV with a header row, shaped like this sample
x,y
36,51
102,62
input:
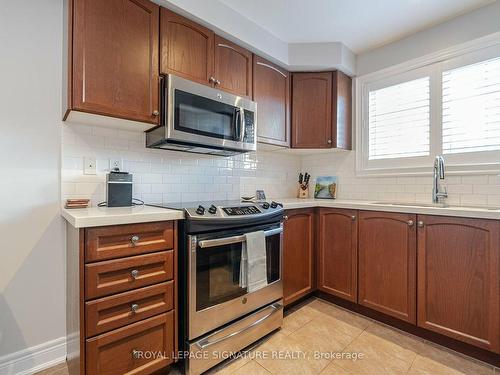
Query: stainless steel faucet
x,y
438,172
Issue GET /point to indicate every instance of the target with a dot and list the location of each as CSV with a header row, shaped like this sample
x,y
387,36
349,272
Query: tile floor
x,y
315,329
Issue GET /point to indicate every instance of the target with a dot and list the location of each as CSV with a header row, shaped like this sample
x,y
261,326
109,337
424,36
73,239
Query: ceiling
x,y
361,25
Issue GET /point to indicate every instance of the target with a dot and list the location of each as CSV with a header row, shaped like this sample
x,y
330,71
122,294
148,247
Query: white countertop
x,y
100,216
471,212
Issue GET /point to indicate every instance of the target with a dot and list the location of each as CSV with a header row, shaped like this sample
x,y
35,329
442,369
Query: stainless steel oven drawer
x,y
213,348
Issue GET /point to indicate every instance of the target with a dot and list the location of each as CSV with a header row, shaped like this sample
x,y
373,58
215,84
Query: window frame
x,y
433,66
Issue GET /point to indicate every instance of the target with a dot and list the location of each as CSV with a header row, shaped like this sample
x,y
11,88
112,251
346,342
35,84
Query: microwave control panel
x,y
249,127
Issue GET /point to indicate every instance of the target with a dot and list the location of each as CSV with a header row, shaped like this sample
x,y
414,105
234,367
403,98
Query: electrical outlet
x,y
115,163
89,166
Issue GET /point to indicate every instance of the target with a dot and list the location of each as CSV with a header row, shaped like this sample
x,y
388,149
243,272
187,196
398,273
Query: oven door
x,y
215,294
206,116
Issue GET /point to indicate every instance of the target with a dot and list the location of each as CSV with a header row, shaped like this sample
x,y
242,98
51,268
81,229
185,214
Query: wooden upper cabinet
x,y
186,48
232,68
387,263
342,111
271,91
311,110
298,254
459,278
115,58
338,253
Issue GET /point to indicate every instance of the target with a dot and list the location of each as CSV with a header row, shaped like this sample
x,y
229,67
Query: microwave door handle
x,y
236,124
242,124
234,239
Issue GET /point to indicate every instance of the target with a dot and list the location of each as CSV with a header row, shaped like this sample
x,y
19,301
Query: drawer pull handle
x,y
136,354
134,308
134,274
134,240
353,218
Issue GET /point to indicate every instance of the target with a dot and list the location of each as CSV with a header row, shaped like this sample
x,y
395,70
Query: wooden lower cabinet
x,y
298,254
140,348
387,263
459,278
338,253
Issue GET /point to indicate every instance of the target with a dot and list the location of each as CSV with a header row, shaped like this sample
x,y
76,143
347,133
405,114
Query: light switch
x,y
89,165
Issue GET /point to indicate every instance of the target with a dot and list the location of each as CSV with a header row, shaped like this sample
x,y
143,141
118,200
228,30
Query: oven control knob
x,y
274,204
212,209
265,205
200,210
280,204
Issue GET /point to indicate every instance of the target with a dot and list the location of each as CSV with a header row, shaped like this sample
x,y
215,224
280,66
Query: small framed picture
x,y
326,187
261,196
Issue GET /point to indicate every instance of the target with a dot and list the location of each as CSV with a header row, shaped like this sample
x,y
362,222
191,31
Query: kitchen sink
x,y
437,205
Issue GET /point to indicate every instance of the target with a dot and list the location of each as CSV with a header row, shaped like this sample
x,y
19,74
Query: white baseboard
x,y
34,359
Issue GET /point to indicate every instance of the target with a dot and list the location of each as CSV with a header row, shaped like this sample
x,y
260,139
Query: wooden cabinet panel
x,y
115,58
271,91
459,278
186,48
298,254
342,111
140,348
387,263
338,253
113,276
233,67
124,240
116,311
312,110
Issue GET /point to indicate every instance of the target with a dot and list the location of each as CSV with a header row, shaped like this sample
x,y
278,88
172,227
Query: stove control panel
x,y
240,211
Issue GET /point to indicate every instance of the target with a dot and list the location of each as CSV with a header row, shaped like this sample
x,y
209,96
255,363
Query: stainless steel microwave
x,y
202,119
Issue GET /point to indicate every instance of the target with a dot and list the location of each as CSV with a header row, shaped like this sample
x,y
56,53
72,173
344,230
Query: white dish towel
x,y
253,267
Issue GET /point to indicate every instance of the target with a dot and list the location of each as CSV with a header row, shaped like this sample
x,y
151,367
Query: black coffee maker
x,y
118,189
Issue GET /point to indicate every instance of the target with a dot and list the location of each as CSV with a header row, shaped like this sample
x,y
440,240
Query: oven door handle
x,y
235,239
205,343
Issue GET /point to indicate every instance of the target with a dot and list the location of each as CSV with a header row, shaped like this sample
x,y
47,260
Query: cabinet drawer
x,y
140,348
125,240
113,276
116,311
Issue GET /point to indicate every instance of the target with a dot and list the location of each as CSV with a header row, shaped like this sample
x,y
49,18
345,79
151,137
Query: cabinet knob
x,y
156,112
134,239
285,217
217,82
410,223
134,274
420,224
353,218
134,307
212,80
136,354
329,141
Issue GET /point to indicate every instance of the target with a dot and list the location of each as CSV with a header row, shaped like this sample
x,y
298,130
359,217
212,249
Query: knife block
x,y
303,194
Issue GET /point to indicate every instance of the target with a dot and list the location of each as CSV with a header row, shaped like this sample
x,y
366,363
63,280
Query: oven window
x,y
198,115
218,272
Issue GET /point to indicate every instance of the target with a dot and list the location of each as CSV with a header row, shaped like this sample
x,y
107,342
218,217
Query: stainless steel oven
x,y
215,295
202,119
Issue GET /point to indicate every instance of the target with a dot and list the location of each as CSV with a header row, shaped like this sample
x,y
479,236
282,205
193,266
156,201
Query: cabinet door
x,y
115,58
342,111
186,48
298,256
459,278
271,91
312,110
387,263
233,68
338,253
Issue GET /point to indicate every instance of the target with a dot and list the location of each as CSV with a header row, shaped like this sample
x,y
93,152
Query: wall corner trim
x,y
35,358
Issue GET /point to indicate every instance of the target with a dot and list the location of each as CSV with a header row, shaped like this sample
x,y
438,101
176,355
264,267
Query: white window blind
x,y
471,108
399,120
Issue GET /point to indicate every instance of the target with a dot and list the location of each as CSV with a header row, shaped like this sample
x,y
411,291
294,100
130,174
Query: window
x,y
471,108
399,120
449,107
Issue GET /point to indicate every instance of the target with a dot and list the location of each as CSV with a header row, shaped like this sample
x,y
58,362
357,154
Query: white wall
x,y
162,176
481,22
32,276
